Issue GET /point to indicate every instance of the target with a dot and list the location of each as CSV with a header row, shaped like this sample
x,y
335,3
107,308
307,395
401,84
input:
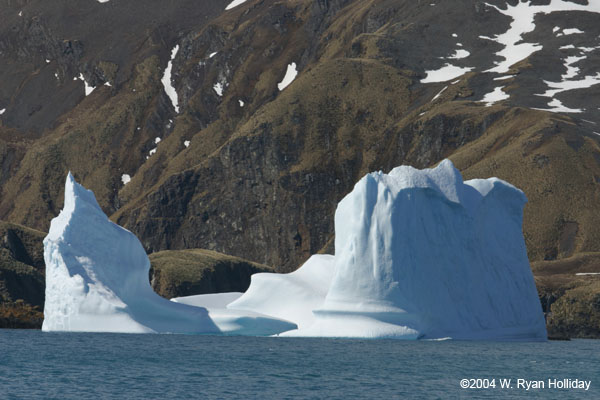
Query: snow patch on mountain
x,y
88,88
557,106
290,75
565,85
218,88
523,16
167,81
569,31
2,111
234,3
495,96
445,73
460,53
125,178
439,93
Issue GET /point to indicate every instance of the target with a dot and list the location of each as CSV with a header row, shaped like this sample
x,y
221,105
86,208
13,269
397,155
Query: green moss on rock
x,y
176,273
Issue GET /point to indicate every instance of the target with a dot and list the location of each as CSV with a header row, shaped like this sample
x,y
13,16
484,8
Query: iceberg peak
x,y
97,280
418,254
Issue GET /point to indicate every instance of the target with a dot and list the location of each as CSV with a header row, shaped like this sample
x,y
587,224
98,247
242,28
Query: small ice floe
x,y
2,111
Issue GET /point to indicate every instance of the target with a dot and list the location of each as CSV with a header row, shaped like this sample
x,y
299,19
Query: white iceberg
x,y
97,281
419,254
293,296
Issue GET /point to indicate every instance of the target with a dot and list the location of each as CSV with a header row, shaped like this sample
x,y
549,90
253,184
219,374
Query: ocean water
x,y
115,366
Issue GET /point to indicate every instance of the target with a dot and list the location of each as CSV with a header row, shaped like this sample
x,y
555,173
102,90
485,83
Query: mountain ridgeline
x,y
175,115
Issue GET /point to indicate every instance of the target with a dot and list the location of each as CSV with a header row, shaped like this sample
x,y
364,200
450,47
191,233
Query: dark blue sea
x,y
36,365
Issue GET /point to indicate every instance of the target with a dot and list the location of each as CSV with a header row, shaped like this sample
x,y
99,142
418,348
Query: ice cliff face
x,y
97,280
422,254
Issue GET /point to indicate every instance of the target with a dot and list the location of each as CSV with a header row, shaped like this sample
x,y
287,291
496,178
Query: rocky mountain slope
x,y
190,140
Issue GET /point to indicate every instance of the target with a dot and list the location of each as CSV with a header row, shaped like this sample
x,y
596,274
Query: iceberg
x,y
292,296
97,281
419,254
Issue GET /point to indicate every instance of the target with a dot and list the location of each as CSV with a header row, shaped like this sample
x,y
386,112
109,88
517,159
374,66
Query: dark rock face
x,y
22,278
191,272
569,291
